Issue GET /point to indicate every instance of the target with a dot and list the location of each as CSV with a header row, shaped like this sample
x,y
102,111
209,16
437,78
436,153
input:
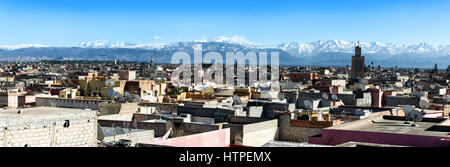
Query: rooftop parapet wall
x,y
48,127
199,128
168,107
217,138
314,124
143,117
290,133
159,128
253,134
245,120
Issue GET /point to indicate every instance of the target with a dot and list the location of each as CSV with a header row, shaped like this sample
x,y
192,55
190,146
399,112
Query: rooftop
x,y
28,117
386,125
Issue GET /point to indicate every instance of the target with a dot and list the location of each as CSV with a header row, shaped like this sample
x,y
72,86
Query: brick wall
x,y
80,133
290,133
144,136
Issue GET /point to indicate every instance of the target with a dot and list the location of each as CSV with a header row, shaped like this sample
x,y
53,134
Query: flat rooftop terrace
x,y
380,124
43,115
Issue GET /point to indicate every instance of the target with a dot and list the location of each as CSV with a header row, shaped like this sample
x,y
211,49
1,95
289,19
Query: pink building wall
x,y
335,137
217,138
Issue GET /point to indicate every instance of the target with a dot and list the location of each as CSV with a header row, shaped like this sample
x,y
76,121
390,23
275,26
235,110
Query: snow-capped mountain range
x,y
324,52
330,46
294,48
14,47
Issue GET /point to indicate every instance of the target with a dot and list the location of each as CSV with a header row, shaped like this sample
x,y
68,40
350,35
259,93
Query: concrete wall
x,y
68,103
168,107
50,131
245,120
219,114
40,101
159,128
253,134
143,117
258,134
205,120
135,137
193,128
396,101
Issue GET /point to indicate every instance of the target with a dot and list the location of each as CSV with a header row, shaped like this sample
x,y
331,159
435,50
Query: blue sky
x,y
70,22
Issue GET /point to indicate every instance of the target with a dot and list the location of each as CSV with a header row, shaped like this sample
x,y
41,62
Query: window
x,y
66,124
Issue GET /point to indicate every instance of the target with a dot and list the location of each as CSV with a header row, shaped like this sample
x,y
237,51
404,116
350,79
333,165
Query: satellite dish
x,y
308,104
119,130
423,104
420,87
281,96
447,98
432,86
111,94
109,83
334,97
136,98
324,95
408,84
100,135
416,116
128,96
407,109
63,82
237,100
119,97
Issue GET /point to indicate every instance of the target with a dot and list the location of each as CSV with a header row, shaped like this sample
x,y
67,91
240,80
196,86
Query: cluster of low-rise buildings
x,y
111,104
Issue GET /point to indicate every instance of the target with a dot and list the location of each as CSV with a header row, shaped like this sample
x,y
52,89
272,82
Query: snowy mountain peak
x,y
14,47
105,44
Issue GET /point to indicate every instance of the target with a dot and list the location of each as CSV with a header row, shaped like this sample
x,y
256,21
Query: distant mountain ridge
x,y
321,53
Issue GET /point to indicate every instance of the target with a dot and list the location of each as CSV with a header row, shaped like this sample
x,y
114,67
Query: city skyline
x,y
69,23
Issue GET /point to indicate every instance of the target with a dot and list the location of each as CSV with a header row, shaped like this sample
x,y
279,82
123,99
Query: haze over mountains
x,y
320,53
